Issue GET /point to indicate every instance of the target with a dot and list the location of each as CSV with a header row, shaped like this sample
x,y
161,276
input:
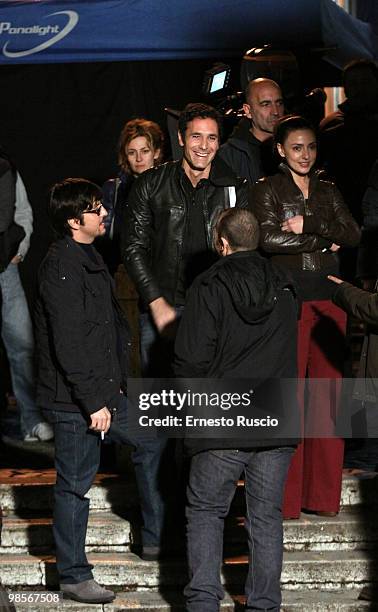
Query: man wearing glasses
x,y
82,342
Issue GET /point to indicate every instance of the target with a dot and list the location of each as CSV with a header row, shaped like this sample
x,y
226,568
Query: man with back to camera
x,y
82,343
249,151
240,320
167,243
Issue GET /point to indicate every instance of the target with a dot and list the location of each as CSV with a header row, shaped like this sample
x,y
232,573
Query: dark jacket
x,y
364,306
240,321
11,234
367,262
7,194
326,220
349,147
82,335
155,224
246,155
116,192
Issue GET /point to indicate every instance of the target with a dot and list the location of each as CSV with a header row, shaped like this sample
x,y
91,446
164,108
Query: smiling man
x,y
167,243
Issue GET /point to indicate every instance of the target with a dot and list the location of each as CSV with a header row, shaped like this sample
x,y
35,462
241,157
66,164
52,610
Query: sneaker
x,y
88,591
42,432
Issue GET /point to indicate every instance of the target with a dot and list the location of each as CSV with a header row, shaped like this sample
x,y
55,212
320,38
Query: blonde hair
x,y
140,127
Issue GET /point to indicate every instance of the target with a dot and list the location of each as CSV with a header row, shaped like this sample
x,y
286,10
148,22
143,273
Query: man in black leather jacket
x,y
167,242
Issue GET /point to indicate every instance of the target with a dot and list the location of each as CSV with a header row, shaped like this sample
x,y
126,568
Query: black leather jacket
x,y
155,224
326,220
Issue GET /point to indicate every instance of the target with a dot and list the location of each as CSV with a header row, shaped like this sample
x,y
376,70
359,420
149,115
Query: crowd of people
x,y
235,253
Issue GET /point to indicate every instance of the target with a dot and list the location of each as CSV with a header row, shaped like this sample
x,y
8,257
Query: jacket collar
x,y
221,174
314,174
242,132
69,248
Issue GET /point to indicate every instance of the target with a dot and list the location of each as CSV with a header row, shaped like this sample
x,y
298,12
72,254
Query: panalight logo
x,y
7,28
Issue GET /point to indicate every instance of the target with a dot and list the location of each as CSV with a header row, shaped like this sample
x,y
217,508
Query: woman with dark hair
x,y
303,224
140,147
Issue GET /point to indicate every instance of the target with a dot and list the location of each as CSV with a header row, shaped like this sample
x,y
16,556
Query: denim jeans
x,y
212,483
77,458
154,458
17,335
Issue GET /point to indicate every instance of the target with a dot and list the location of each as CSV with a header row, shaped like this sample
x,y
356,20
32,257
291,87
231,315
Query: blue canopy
x,y
49,31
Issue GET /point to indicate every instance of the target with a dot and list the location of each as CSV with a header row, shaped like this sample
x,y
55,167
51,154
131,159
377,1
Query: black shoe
x,y
88,591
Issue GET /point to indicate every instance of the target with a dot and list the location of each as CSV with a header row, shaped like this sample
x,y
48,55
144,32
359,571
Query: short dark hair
x,y
68,200
196,110
139,127
239,227
291,123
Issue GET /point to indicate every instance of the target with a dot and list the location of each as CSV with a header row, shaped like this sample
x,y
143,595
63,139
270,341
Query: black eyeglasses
x,y
94,211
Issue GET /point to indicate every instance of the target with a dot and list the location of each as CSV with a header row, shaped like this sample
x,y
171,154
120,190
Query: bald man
x,y
248,151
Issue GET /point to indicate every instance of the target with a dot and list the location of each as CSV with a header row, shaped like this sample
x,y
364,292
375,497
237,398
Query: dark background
x,y
60,120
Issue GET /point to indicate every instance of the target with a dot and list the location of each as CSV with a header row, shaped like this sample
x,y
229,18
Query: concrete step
x,y
310,570
347,531
331,570
107,532
169,601
173,601
32,490
323,601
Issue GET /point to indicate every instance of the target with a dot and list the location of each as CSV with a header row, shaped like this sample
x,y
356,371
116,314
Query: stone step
x,y
331,570
354,492
323,601
32,490
347,531
142,601
107,532
302,570
173,601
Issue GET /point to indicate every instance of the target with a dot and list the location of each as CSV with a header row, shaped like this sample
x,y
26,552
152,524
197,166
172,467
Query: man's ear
x,y
181,142
224,247
74,223
247,110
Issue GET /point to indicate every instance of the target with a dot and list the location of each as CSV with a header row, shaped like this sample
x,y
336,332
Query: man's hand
x,y
335,279
16,260
293,225
164,315
100,420
334,247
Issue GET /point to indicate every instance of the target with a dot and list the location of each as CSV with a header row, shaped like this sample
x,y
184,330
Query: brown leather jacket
x,y
326,220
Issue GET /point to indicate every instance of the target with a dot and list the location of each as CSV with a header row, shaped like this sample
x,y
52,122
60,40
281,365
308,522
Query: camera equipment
x,y
215,81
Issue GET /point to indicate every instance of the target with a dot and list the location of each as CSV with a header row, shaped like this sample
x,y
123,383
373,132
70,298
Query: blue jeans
x,y
154,459
212,483
17,335
77,458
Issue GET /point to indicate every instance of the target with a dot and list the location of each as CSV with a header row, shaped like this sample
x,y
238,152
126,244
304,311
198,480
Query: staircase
x,y
327,560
